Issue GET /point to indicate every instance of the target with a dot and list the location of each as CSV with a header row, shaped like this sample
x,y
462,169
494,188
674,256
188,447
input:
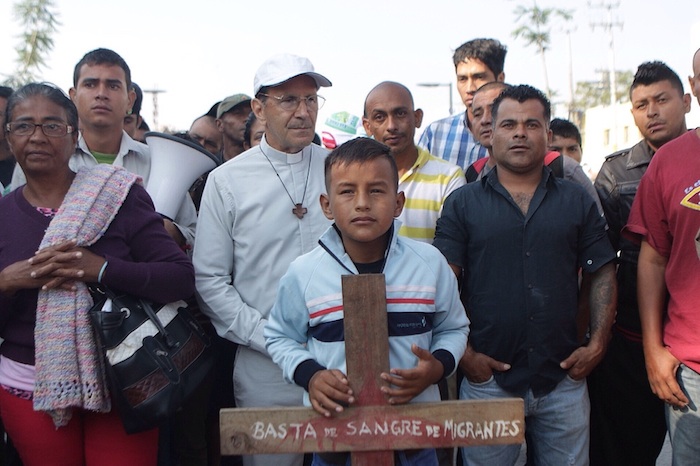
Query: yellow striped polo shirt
x,y
426,186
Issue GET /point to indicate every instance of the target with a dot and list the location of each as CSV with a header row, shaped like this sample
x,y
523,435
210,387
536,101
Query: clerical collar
x,y
279,156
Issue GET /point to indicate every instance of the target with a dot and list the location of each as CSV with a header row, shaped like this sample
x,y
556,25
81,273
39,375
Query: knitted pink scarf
x,y
69,372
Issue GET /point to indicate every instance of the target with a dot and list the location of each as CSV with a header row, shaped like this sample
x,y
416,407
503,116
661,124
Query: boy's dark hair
x,y
521,93
652,72
136,109
359,150
490,51
49,91
102,57
565,128
5,91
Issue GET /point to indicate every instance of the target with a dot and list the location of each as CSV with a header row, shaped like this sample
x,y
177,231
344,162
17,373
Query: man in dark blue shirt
x,y
519,237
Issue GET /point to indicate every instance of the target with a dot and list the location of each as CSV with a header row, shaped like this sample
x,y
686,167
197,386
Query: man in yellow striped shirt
x,y
426,180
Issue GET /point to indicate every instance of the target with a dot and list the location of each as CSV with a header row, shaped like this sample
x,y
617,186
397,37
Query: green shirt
x,y
103,158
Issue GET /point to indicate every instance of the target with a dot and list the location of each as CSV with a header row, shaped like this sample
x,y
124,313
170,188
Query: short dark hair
x,y
565,129
489,51
5,91
359,150
136,109
493,84
652,72
49,91
102,57
521,93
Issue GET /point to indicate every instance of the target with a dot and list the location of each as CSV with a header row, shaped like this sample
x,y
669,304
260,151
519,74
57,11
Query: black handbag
x,y
155,355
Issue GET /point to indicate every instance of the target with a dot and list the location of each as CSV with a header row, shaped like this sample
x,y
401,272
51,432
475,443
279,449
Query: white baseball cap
x,y
283,67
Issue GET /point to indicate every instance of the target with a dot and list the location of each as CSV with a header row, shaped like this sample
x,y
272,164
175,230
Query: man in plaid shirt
x,y
477,62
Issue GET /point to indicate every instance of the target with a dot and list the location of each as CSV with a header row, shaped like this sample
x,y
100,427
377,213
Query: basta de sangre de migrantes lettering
x,y
450,428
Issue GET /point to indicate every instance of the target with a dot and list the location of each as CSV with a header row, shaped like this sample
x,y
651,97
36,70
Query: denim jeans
x,y
557,425
425,457
684,423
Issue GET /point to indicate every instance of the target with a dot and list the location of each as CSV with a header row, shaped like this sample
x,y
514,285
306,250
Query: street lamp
x,y
448,85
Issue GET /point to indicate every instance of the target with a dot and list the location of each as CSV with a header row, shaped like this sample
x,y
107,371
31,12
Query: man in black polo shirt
x,y
519,236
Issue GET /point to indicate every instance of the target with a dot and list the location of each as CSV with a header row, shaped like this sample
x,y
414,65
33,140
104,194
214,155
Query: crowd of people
x,y
508,271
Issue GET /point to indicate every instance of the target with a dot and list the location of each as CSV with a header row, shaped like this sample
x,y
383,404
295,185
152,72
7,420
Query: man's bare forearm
x,y
651,294
603,303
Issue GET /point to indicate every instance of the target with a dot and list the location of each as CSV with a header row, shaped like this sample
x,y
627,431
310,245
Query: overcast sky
x,y
202,51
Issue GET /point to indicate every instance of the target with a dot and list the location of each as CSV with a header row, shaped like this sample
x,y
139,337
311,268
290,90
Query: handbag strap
x,y
147,308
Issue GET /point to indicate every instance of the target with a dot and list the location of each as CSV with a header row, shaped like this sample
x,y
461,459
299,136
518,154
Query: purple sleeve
x,y
143,259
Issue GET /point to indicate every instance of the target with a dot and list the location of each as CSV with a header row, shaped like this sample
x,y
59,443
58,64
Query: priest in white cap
x,y
259,212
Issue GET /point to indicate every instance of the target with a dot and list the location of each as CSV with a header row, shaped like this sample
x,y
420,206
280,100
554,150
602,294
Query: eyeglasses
x,y
289,103
52,130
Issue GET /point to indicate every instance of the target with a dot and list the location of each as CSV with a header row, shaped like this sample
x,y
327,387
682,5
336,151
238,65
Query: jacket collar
x,y
331,242
640,154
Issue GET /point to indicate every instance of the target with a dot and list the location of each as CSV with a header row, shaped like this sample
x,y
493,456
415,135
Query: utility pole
x,y
609,26
154,92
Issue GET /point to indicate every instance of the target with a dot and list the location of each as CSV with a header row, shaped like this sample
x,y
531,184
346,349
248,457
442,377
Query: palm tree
x,y
39,22
535,30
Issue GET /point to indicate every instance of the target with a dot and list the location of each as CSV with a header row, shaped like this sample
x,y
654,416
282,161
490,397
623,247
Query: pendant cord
x,y
306,183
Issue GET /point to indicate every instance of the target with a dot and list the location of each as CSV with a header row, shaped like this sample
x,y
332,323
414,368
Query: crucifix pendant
x,y
299,210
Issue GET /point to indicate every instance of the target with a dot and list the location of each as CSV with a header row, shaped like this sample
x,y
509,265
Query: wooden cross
x,y
299,210
370,429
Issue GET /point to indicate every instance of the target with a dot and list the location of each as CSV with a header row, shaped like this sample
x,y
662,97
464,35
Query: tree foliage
x,y
534,28
39,22
594,93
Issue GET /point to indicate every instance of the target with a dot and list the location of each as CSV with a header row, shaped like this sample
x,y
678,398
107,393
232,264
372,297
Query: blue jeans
x,y
557,425
684,423
426,457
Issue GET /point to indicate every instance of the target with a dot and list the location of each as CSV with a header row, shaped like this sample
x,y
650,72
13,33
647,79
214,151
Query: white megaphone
x,y
175,164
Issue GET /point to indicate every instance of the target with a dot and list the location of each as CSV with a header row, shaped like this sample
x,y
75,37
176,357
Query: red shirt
x,y
666,212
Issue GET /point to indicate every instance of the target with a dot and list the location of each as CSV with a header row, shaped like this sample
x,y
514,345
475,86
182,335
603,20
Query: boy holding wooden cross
x,y
427,324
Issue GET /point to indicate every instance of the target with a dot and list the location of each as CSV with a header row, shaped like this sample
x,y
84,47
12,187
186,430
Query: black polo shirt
x,y
521,272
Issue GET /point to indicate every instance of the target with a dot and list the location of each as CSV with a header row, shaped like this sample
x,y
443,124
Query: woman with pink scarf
x,y
58,232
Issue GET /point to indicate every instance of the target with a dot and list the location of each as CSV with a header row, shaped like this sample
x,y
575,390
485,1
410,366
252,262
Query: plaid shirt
x,y
451,140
